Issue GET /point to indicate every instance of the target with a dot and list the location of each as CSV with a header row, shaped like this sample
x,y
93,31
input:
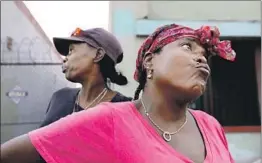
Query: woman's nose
x,y
65,59
201,59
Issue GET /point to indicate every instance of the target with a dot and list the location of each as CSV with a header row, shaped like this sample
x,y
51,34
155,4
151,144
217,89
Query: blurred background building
x,y
30,71
233,94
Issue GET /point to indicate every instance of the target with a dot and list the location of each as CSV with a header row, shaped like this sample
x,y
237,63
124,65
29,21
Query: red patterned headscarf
x,y
208,36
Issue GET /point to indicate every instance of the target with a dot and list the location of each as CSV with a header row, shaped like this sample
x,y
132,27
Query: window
x,y
232,92
258,74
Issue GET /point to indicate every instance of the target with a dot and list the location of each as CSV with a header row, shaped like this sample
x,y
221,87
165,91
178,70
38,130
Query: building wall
x,y
205,10
121,23
124,18
24,43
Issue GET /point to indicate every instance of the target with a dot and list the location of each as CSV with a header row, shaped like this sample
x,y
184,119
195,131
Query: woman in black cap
x,y
90,59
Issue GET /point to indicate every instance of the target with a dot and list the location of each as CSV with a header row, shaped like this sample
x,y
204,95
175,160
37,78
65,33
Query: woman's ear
x,y
100,53
147,61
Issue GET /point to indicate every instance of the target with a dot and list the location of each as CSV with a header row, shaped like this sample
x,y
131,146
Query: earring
x,y
150,74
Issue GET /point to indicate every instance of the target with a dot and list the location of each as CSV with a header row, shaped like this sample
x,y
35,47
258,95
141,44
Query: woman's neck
x,y
163,106
91,89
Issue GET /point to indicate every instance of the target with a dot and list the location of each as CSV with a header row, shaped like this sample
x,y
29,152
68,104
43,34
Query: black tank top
x,y
63,102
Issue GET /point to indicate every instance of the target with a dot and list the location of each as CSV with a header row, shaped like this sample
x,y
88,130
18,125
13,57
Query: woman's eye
x,y
70,49
187,46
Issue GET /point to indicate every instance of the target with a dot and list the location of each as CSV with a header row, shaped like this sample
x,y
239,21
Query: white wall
x,y
245,147
205,10
15,24
40,81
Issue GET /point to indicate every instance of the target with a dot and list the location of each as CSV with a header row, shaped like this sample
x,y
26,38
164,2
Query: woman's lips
x,y
204,68
64,68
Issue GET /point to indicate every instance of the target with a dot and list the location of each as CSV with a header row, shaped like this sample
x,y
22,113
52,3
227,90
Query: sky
x,y
61,18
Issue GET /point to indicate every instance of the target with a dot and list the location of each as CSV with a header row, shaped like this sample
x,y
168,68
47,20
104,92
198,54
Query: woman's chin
x,y
191,92
70,77
198,89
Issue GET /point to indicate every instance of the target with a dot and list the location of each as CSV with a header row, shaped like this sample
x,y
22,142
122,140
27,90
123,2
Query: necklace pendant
x,y
167,136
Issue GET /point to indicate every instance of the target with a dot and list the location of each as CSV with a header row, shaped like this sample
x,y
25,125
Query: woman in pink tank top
x,y
172,71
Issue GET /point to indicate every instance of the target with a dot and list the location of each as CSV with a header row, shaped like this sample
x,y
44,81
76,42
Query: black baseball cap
x,y
95,37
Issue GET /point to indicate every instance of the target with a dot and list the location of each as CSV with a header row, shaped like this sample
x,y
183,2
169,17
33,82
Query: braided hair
x,y
142,79
142,83
108,71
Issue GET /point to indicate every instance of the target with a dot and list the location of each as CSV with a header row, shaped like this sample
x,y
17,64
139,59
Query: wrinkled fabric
x,y
207,36
118,133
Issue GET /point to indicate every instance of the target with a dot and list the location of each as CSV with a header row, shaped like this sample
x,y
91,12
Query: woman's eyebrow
x,y
189,39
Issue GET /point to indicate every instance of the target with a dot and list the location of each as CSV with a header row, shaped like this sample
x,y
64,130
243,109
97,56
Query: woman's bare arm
x,y
52,143
19,149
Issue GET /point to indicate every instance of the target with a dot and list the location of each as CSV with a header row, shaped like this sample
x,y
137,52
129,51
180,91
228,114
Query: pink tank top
x,y
118,133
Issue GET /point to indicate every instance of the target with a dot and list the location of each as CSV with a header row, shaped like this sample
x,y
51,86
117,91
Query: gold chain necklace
x,y
167,136
101,94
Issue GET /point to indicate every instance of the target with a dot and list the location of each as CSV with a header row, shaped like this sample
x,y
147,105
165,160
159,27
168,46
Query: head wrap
x,y
208,36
